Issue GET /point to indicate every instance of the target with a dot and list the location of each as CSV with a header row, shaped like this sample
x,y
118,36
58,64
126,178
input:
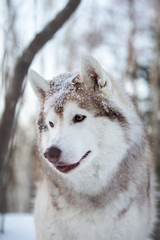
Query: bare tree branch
x,y
20,71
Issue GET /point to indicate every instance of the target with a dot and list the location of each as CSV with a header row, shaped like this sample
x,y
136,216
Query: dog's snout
x,y
52,154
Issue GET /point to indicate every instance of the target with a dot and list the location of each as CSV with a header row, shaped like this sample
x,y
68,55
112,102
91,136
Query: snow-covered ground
x,y
18,227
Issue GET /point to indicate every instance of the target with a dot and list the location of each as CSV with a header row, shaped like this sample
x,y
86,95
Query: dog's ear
x,y
93,75
38,83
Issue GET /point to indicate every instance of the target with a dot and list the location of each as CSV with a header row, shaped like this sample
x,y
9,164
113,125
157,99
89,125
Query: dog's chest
x,y
60,220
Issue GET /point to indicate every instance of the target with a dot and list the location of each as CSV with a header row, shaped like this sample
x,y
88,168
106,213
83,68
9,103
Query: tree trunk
x,y
20,71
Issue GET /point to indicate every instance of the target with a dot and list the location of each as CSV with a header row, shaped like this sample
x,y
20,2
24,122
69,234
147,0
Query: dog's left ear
x,y
93,75
38,83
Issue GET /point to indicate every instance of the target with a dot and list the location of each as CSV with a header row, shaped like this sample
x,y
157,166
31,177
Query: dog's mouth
x,y
67,168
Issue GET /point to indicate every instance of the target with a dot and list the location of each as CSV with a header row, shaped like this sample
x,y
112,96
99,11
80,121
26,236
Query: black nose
x,y
52,154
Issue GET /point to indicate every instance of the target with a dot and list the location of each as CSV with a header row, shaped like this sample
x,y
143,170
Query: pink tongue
x,y
66,168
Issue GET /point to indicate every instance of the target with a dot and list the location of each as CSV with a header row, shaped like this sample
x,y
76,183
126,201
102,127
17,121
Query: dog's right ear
x,y
38,83
94,77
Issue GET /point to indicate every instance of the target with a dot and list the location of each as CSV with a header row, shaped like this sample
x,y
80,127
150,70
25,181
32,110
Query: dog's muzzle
x,y
53,155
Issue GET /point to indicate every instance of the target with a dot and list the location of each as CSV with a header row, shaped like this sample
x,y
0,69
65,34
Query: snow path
x,y
18,227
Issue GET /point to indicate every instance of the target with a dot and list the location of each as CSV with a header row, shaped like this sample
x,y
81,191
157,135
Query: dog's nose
x,y
52,154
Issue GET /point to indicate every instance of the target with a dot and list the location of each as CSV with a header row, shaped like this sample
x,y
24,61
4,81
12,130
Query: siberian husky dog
x,y
97,169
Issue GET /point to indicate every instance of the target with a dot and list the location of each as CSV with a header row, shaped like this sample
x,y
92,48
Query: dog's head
x,y
80,118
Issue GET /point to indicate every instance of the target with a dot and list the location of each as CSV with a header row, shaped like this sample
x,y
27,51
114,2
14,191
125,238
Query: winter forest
x,y
47,36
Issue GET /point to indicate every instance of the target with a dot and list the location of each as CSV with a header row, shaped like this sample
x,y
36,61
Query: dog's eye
x,y
42,126
51,124
78,118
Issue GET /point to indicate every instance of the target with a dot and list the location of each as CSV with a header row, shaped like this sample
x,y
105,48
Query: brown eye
x,y
78,118
51,124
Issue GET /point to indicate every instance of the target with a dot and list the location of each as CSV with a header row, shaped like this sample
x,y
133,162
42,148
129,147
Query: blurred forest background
x,y
124,36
